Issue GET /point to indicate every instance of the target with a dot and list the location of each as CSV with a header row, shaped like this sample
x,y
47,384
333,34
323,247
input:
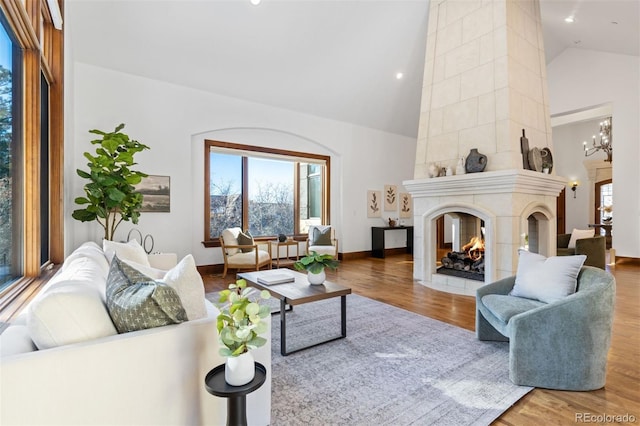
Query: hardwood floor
x,y
390,281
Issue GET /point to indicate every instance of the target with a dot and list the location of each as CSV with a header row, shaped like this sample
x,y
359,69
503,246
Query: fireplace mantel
x,y
495,182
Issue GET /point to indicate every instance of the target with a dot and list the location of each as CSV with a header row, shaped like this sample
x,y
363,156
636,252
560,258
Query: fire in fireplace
x,y
466,263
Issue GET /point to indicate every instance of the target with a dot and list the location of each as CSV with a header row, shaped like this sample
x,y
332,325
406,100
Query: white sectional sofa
x,y
62,362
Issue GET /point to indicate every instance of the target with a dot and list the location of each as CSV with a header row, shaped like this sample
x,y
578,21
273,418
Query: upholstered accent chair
x,y
559,345
241,252
593,247
322,239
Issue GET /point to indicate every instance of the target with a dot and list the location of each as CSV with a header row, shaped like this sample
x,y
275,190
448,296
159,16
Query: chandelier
x,y
603,144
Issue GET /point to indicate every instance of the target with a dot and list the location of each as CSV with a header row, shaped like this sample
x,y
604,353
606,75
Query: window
x,y
266,191
604,202
10,159
44,170
31,148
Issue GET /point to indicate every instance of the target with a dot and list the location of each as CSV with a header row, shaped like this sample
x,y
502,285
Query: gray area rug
x,y
393,368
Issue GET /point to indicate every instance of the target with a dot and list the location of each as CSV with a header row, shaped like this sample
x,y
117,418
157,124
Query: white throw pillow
x,y
546,279
131,251
185,279
578,234
70,313
230,238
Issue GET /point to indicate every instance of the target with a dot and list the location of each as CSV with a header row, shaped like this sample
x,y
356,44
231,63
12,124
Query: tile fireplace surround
x,y
510,202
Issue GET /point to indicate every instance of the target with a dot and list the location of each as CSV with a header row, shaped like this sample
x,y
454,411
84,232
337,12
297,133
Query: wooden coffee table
x,y
297,293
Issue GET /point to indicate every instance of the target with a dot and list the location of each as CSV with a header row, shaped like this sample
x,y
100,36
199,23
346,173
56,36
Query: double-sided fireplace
x,y
484,86
495,212
465,234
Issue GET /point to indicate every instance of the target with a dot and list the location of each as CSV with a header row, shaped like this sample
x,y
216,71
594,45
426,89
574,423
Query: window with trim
x,y
31,147
267,191
10,158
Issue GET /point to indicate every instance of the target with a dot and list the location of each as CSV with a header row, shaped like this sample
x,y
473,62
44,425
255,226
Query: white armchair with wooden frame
x,y
241,252
322,239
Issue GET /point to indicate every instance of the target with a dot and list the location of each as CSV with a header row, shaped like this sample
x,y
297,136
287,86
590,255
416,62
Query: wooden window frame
x,y
43,53
325,176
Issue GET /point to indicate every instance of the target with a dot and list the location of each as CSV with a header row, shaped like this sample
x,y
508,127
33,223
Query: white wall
x,y
579,79
568,161
174,120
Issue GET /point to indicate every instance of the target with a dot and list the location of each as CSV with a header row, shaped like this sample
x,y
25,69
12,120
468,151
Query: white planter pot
x,y
316,279
239,370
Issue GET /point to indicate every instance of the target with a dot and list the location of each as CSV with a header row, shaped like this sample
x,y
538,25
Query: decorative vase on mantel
x,y
316,279
476,162
239,370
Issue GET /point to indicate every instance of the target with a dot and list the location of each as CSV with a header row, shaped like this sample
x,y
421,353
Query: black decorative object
x,y
524,149
476,162
547,159
282,238
143,241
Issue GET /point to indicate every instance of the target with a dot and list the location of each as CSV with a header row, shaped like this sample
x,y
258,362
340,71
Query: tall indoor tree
x,y
111,196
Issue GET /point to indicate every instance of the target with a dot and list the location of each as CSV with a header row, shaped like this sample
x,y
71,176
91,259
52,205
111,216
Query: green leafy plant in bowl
x,y
315,263
240,321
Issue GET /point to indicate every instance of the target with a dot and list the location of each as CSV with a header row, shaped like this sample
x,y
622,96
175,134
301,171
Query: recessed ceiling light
x,y
399,75
255,2
569,19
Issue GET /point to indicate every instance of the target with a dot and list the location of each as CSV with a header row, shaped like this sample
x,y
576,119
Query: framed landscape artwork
x,y
156,194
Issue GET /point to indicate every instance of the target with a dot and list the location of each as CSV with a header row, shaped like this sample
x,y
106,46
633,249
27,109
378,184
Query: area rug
x,y
394,367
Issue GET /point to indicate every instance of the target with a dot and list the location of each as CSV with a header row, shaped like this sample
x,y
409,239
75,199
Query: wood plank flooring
x,y
390,281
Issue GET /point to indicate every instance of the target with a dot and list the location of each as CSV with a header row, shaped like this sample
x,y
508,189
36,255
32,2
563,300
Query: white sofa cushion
x,y
132,251
92,251
185,279
330,250
16,340
249,259
84,269
70,312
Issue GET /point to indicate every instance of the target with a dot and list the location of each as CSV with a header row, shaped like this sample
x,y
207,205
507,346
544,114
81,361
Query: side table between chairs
x,y
236,396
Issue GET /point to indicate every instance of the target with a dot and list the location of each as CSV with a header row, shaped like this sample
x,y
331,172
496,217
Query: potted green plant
x,y
314,264
546,168
239,325
110,194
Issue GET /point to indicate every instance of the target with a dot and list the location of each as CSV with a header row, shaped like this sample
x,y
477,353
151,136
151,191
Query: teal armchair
x,y
561,345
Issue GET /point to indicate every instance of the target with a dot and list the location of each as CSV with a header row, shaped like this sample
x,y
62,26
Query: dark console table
x,y
607,231
377,239
236,395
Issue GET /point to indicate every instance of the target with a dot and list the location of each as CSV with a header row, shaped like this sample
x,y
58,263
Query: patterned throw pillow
x,y
136,302
321,236
245,239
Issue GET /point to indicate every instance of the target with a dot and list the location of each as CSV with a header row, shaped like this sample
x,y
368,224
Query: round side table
x,y
236,395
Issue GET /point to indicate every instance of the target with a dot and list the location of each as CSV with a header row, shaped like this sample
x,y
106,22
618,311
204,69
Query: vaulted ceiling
x,y
333,59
